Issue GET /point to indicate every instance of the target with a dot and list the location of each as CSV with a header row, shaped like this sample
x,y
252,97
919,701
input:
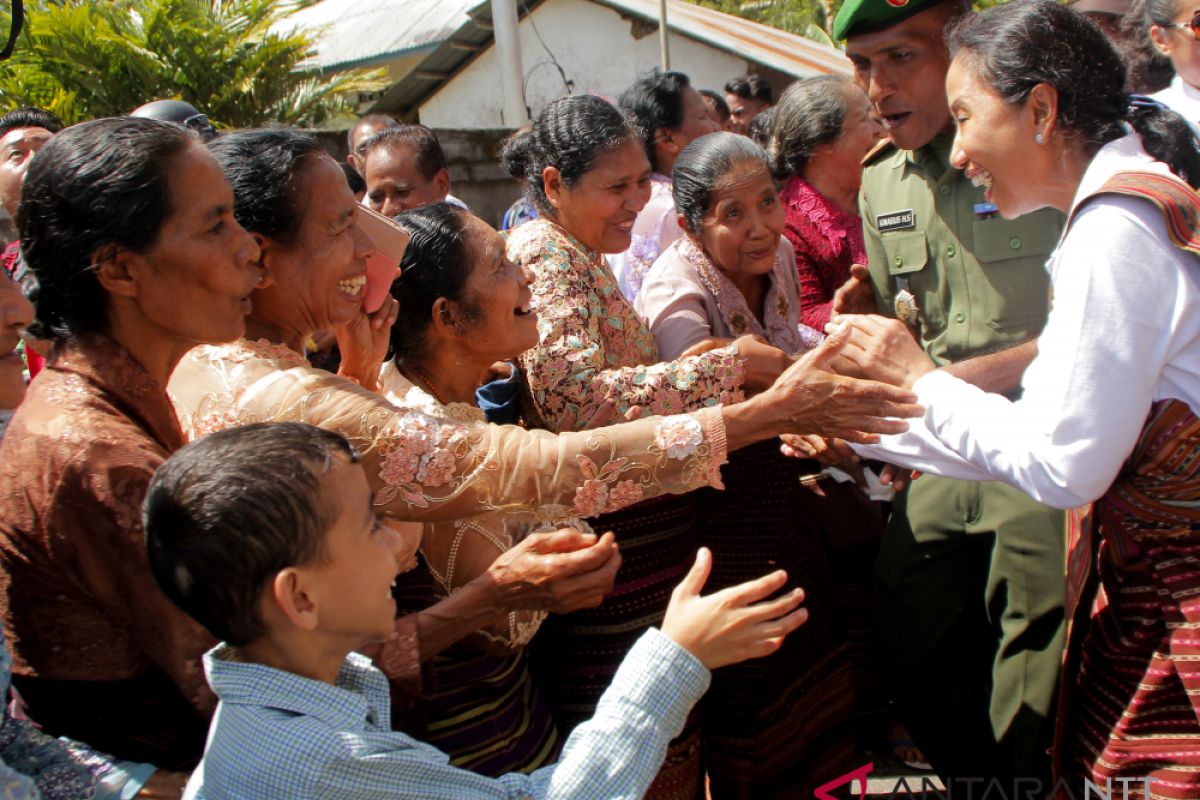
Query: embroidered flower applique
x,y
679,436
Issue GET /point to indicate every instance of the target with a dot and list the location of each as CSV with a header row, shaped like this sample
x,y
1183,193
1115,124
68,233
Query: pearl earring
x,y
1039,139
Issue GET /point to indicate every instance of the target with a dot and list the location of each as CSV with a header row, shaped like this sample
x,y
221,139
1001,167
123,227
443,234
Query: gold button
x,y
1014,243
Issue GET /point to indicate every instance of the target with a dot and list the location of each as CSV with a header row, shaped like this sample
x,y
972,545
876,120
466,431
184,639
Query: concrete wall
x,y
600,51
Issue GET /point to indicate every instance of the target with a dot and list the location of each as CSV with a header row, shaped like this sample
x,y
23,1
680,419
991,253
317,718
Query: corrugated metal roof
x,y
790,54
366,32
361,33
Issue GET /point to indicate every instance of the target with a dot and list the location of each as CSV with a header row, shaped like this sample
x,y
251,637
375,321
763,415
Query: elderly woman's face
x,y
600,209
860,132
320,276
15,314
740,230
499,291
195,281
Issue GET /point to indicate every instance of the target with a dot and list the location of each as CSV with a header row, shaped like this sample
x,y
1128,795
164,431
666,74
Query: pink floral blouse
x,y
827,242
685,299
593,345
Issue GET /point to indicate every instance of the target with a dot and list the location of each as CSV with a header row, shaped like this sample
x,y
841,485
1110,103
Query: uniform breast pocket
x,y
907,258
1012,255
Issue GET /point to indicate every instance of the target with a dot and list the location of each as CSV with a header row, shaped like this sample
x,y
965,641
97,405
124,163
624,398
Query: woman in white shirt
x,y
1109,406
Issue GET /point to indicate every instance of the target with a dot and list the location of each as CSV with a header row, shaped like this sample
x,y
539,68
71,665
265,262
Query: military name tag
x,y
895,221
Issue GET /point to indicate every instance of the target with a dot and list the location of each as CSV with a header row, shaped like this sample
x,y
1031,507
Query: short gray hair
x,y
811,113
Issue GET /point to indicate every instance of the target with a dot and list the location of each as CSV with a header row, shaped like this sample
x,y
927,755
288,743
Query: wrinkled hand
x,y
763,364
704,345
827,452
561,571
884,349
163,785
499,371
731,625
363,342
856,295
814,400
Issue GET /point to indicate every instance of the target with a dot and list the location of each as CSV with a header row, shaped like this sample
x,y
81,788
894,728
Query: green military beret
x,y
868,16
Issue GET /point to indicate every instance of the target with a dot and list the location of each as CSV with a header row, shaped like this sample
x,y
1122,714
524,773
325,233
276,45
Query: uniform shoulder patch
x,y
880,151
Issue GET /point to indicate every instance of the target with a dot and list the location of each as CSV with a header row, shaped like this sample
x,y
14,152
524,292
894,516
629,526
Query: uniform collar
x,y
934,157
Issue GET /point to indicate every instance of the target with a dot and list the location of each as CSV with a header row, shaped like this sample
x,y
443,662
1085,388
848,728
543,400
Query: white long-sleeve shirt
x,y
1123,333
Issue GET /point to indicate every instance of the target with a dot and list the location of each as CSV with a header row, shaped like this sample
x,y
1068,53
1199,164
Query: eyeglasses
x,y
1193,25
199,125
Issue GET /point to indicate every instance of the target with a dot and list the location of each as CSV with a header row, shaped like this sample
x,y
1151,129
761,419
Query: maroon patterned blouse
x,y
827,241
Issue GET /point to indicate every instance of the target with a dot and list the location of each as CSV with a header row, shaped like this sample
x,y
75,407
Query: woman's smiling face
x,y
599,209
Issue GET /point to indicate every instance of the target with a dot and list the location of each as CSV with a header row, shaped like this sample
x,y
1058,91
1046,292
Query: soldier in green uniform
x,y
971,573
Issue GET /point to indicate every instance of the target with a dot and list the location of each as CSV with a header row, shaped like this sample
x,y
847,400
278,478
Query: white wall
x,y
596,49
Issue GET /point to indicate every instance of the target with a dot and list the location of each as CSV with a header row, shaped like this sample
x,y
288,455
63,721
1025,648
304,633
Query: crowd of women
x,y
512,394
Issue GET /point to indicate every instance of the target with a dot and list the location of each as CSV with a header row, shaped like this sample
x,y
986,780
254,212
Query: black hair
x,y
812,112
700,167
227,512
421,140
438,262
751,87
29,117
718,102
97,184
760,127
654,102
355,181
1017,46
570,134
369,119
263,167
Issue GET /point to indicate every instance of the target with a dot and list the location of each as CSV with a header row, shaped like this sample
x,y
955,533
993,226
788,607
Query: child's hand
x,y
726,627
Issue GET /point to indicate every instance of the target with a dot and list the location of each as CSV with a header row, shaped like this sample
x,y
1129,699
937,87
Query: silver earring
x,y
1039,139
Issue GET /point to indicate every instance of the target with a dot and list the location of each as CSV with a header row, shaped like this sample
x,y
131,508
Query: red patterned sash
x,y
1131,683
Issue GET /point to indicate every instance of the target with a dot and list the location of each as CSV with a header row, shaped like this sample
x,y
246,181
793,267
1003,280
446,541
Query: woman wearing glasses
x,y
1174,25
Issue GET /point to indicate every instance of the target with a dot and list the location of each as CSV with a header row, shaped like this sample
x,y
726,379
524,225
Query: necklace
x,y
412,370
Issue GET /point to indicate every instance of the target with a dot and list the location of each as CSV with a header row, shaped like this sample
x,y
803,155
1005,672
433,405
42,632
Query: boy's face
x,y
353,582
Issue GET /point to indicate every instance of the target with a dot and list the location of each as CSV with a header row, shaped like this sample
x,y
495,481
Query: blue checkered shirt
x,y
278,736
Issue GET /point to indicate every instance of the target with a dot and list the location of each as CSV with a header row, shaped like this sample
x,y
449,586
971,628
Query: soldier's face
x,y
903,71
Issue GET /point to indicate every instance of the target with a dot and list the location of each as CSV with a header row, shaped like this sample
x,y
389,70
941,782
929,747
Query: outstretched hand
x,y
856,295
883,349
560,571
731,625
813,399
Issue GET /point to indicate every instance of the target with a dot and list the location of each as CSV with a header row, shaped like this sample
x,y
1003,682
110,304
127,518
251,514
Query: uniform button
x,y
1015,243
960,317
944,188
898,261
950,251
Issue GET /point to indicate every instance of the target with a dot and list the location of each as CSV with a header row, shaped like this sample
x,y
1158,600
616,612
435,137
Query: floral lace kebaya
x,y
433,467
594,347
